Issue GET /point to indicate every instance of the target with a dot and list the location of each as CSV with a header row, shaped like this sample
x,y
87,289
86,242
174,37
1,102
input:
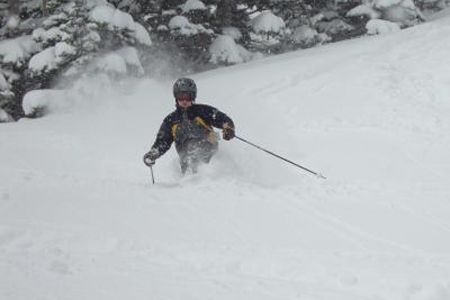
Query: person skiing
x,y
190,127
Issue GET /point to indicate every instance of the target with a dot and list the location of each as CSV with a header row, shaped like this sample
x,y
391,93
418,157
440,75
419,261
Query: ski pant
x,y
195,152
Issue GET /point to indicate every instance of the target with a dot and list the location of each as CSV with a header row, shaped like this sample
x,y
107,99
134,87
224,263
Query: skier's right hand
x,y
150,157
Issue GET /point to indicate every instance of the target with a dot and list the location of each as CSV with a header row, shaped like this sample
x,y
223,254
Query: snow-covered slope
x,y
80,219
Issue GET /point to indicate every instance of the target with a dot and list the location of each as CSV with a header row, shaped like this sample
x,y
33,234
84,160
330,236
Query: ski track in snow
x,y
80,219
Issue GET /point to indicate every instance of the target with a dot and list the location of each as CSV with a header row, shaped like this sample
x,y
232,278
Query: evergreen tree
x,y
233,14
76,38
184,28
16,48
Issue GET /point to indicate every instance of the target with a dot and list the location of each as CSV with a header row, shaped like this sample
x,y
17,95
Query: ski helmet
x,y
185,85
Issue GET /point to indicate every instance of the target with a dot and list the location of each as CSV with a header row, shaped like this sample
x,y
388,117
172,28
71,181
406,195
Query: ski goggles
x,y
184,96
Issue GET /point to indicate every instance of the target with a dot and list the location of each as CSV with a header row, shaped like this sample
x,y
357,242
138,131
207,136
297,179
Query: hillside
x,y
80,219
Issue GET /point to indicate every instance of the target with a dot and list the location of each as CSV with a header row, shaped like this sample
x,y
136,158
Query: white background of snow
x,y
79,218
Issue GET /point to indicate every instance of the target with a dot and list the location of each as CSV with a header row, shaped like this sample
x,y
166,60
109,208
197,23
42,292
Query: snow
x,y
444,13
4,85
48,100
169,12
388,3
267,40
385,3
52,34
402,12
43,61
192,5
116,18
335,26
225,50
80,219
408,4
50,58
142,35
381,27
4,116
131,57
364,10
94,3
234,32
112,62
13,22
305,35
267,22
402,15
178,22
111,16
182,25
62,49
54,19
16,51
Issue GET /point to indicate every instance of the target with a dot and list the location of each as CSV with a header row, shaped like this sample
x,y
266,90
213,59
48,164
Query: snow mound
x,y
4,84
52,34
4,116
51,58
381,27
192,5
306,36
182,26
120,62
380,4
267,22
364,10
225,50
13,22
44,101
234,32
116,18
17,51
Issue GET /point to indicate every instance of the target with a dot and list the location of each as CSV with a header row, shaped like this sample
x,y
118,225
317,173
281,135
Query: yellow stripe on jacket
x,y
212,137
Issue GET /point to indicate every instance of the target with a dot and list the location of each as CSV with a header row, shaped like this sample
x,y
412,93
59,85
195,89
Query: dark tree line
x,y
188,35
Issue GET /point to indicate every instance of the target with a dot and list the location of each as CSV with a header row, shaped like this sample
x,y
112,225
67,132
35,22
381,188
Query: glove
x,y
227,132
150,157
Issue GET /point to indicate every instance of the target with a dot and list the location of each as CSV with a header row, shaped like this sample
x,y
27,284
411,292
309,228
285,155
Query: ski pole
x,y
153,177
280,157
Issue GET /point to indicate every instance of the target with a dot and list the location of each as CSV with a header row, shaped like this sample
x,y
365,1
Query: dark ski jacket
x,y
195,122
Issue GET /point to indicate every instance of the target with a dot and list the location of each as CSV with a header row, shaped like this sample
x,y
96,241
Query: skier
x,y
190,126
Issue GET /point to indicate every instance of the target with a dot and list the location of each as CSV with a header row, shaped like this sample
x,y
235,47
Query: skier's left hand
x,y
227,132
